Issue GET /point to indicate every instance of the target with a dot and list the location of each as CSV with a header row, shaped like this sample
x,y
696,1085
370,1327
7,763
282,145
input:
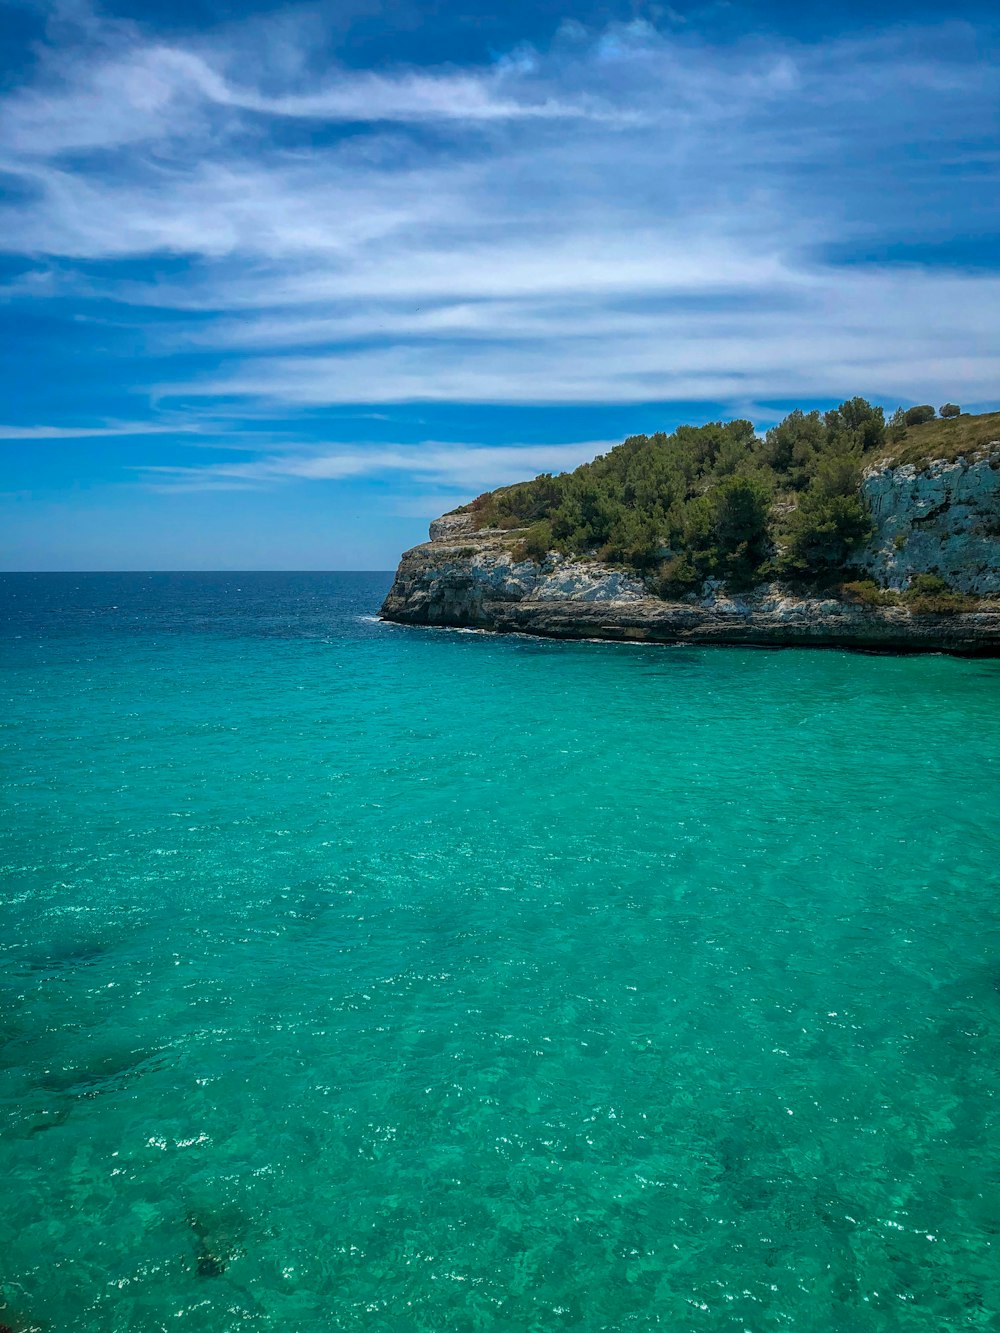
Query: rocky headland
x,y
938,517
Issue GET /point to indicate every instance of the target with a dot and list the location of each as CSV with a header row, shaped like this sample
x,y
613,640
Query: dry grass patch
x,y
947,439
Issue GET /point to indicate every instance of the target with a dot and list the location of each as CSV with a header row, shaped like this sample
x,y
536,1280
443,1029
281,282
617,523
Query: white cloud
x,y
882,333
464,468
129,428
625,217
150,91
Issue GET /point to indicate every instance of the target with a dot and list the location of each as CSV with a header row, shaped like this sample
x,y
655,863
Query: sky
x,y
279,285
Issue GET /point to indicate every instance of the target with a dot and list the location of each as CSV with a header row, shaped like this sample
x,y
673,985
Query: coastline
x,y
942,517
794,623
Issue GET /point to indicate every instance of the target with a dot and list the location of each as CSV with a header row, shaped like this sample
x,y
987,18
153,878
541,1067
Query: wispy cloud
x,y
462,468
132,428
148,91
714,351
626,216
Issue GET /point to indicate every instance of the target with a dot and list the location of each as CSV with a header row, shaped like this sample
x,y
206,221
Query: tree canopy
x,y
707,501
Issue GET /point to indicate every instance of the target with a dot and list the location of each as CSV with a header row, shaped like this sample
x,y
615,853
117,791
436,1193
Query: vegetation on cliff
x,y
928,594
720,501
947,436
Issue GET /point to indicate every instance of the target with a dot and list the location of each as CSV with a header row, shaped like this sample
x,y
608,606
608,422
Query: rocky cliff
x,y
941,517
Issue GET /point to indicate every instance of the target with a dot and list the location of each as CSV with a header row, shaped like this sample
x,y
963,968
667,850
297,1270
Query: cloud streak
x,y
622,217
170,93
123,429
462,468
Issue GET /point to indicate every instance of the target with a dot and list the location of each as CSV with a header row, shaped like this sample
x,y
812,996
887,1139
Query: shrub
x,y
535,544
930,595
896,430
916,416
944,604
866,592
899,541
928,585
950,410
675,577
830,521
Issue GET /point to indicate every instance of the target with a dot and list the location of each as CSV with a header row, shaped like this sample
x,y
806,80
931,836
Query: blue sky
x,y
280,285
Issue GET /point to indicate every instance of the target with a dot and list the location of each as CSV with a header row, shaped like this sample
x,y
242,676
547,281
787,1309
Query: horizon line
x,y
195,571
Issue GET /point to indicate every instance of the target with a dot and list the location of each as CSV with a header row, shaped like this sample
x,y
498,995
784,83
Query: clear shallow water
x,y
363,977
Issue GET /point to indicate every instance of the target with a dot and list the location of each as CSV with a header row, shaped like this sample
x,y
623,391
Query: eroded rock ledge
x,y
943,518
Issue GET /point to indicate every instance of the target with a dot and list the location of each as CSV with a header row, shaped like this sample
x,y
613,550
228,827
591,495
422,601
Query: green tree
x,y
896,429
831,519
791,447
740,510
856,424
702,501
916,416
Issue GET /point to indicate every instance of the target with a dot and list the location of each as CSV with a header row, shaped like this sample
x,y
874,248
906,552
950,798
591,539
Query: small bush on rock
x,y
866,592
535,544
928,585
675,577
930,595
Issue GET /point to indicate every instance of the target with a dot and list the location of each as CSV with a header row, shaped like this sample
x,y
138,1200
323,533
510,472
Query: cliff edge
x,y
941,517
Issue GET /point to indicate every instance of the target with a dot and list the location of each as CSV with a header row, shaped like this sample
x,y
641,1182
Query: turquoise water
x,y
363,977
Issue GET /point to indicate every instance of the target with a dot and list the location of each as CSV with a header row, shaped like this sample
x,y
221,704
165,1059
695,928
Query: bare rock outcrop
x,y
942,518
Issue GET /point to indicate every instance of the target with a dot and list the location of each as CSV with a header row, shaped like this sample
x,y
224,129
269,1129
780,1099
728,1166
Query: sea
x,y
356,976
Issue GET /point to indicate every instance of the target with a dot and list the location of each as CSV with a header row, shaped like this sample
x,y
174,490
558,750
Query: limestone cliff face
x,y
943,518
